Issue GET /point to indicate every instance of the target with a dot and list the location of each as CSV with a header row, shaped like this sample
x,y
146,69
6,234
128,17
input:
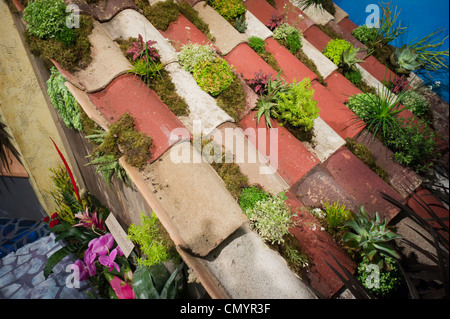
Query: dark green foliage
x,y
56,257
233,100
354,76
250,196
257,44
71,58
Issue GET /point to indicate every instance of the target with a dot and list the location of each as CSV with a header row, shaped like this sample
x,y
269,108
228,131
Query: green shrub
x,y
250,196
193,54
229,9
71,58
358,106
257,44
414,145
289,36
151,243
337,214
45,18
381,282
416,103
63,100
366,35
271,218
213,76
354,76
296,105
335,48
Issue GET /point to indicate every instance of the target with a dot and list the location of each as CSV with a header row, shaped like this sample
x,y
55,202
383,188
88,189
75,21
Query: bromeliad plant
x,y
371,236
143,50
275,21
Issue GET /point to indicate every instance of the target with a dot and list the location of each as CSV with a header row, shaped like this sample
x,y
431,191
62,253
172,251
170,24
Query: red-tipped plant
x,y
142,50
77,194
259,83
275,21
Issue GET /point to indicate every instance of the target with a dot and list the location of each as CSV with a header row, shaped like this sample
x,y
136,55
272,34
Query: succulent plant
x,y
405,60
275,21
348,59
371,235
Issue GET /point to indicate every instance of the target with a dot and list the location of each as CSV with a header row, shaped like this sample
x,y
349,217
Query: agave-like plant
x,y
267,103
405,60
371,235
349,59
141,49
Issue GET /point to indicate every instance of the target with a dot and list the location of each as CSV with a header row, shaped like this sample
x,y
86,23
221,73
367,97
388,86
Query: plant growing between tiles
x,y
215,76
231,10
147,65
48,36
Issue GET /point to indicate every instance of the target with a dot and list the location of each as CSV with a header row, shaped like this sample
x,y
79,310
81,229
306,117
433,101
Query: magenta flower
x,y
108,261
89,259
102,245
81,270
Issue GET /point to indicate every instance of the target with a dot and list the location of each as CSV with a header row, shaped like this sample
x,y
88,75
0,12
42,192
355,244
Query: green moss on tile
x,y
233,100
70,57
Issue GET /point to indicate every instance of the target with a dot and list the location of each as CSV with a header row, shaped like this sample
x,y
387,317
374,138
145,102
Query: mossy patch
x,y
162,13
233,100
123,140
162,84
364,154
70,57
230,173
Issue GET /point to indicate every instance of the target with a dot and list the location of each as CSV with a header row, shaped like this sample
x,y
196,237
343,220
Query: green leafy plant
x,y
337,214
45,18
296,105
335,48
107,165
250,196
414,145
289,36
416,103
354,76
379,111
385,282
146,69
349,59
371,236
429,55
405,60
152,245
156,282
366,35
271,218
63,101
213,76
229,9
193,54
257,44
390,28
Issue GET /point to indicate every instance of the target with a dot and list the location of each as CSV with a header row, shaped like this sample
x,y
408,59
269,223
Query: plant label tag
x,y
120,236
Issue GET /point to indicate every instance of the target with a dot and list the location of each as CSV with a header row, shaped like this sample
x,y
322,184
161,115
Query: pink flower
x,y
108,261
81,270
87,221
102,245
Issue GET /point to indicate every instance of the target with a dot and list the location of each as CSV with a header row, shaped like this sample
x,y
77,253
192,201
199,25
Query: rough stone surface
x,y
319,246
255,27
104,10
361,183
250,161
338,116
107,63
293,69
286,154
323,64
341,87
326,141
317,37
130,23
402,179
340,14
321,17
247,62
227,37
201,217
243,257
294,15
